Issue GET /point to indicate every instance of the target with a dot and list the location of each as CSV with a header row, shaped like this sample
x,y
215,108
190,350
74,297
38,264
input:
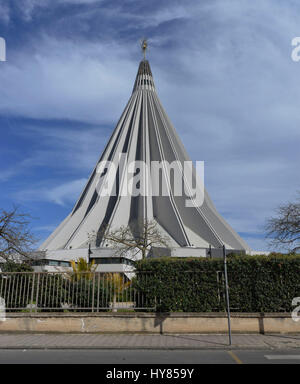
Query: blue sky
x,y
224,74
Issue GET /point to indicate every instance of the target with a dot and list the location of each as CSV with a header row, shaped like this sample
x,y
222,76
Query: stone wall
x,y
149,323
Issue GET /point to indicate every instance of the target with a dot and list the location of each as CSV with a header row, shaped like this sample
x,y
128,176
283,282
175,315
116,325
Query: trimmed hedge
x,y
256,283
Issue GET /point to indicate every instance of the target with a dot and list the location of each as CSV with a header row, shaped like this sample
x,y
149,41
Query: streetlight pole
x,y
227,294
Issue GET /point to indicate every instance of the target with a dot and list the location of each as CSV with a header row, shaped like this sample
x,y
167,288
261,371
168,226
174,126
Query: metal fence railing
x,y
159,291
69,291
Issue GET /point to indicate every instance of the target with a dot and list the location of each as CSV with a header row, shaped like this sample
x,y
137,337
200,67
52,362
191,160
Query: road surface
x,y
139,356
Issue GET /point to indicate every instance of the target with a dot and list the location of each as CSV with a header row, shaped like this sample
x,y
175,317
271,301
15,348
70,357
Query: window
x,y
113,260
56,263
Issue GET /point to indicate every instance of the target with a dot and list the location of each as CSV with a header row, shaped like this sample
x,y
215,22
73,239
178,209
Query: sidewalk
x,y
138,341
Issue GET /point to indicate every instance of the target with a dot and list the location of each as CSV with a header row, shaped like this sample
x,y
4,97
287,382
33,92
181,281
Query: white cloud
x,y
71,148
63,150
45,228
154,19
4,13
83,81
258,244
79,1
7,174
62,194
29,7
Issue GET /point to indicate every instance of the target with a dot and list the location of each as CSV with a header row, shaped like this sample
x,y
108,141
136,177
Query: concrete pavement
x,y
146,341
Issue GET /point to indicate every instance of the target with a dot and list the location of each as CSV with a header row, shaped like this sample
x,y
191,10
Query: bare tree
x,y
284,228
16,239
138,237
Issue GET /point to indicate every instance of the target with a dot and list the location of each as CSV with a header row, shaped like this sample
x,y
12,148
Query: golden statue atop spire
x,y
144,46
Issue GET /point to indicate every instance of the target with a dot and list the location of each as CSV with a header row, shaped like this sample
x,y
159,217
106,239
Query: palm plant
x,y
118,286
82,269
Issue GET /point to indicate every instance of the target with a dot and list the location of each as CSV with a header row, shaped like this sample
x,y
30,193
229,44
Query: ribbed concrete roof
x,y
144,78
144,132
144,68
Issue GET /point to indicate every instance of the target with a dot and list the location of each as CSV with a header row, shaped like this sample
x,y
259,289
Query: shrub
x,y
11,266
256,283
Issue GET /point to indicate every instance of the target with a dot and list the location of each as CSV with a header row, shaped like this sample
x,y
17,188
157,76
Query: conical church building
x,y
145,134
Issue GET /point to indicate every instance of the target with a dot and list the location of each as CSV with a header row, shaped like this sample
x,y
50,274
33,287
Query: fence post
x,y
32,291
227,294
37,293
93,291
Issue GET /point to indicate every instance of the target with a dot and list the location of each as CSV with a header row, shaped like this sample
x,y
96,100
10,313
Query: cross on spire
x,y
144,46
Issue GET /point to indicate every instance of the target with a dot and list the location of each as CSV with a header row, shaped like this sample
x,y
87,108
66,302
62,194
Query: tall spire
x,y
143,133
144,78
